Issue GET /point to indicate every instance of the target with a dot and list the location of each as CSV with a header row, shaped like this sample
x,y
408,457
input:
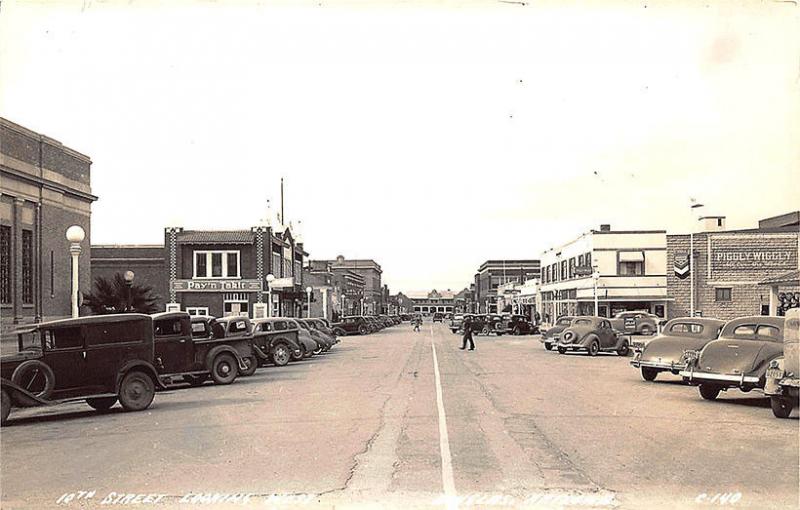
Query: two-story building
x,y
372,298
494,273
612,270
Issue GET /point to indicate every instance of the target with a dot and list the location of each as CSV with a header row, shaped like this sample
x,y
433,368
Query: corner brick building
x,y
44,189
732,268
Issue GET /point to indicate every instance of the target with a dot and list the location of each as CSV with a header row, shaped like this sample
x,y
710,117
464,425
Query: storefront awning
x,y
790,278
631,256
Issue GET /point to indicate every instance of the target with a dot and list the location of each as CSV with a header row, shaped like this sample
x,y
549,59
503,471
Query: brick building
x,y
45,188
217,273
147,262
493,273
733,269
373,296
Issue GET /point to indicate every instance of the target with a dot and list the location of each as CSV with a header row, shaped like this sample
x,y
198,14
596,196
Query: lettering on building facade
x,y
217,285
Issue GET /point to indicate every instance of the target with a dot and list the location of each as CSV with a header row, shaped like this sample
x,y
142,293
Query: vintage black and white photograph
x,y
399,254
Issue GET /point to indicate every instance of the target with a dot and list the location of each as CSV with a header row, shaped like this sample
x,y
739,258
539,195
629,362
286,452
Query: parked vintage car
x,y
782,384
322,326
593,335
100,359
486,324
516,325
185,351
635,323
275,342
457,321
664,353
232,331
438,317
738,358
354,325
552,334
304,337
323,343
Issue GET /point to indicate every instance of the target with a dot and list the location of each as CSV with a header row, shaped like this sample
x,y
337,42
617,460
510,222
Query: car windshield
x,y
564,322
30,340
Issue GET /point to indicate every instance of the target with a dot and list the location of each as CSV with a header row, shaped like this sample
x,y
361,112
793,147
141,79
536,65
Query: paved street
x,y
512,424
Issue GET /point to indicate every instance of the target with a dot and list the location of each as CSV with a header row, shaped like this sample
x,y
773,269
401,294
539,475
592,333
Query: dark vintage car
x,y
593,335
235,332
100,359
782,384
635,323
457,321
664,353
323,341
310,346
552,334
355,325
185,352
438,317
322,326
516,325
275,342
487,323
738,358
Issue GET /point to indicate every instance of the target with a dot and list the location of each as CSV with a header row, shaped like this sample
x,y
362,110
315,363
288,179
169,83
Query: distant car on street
x,y
664,353
516,325
593,335
438,317
635,323
274,342
739,358
355,325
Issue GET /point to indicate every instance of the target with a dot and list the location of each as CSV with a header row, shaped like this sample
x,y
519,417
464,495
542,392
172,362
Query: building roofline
x,y
44,138
127,246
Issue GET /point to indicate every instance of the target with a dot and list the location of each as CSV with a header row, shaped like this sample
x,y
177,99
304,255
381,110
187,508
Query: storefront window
x,y
216,264
722,294
631,268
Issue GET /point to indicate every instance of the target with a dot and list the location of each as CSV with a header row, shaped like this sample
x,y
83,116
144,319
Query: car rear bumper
x,y
660,365
693,376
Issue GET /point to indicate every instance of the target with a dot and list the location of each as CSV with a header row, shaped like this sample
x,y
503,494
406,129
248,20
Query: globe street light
x,y
270,279
75,234
308,295
128,276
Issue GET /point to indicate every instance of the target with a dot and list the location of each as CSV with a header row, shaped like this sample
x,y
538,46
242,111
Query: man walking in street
x,y
417,322
467,324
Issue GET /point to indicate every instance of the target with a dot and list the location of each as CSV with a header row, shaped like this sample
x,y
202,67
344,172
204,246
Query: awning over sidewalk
x,y
790,278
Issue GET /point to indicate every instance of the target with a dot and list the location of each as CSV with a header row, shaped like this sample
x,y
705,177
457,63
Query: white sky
x,y
427,136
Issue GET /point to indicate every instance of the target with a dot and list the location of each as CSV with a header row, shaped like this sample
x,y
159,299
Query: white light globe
x,y
75,234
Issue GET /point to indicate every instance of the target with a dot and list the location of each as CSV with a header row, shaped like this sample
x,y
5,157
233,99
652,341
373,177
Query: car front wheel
x,y
224,369
709,391
781,406
136,391
649,374
594,348
562,350
362,330
281,355
623,349
101,404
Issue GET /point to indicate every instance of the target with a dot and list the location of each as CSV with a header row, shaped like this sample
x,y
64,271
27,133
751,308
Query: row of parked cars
x,y
492,323
748,353
364,324
126,358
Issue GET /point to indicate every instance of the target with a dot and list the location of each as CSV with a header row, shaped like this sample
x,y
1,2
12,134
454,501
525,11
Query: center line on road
x,y
444,443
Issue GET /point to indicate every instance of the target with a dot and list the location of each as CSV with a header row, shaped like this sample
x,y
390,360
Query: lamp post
x,y
595,277
75,235
308,300
129,275
694,206
270,279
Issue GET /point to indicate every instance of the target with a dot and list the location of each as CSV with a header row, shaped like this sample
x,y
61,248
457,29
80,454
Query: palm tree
x,y
116,296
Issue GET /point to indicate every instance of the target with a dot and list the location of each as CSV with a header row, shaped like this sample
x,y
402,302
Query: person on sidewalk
x,y
467,324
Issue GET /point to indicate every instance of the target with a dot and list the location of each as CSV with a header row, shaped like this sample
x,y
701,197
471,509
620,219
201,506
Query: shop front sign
x,y
217,285
754,253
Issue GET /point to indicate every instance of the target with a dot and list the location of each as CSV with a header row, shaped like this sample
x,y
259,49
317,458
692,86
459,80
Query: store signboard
x,y
759,253
216,285
282,283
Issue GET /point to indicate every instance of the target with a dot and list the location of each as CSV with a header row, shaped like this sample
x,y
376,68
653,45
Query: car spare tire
x,y
35,377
